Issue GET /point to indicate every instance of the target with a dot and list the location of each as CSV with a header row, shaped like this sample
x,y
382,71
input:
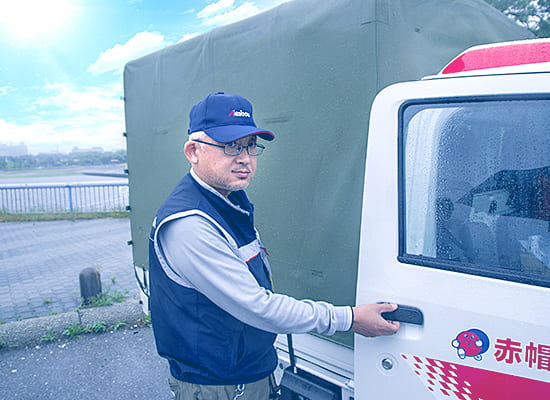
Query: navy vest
x,y
202,343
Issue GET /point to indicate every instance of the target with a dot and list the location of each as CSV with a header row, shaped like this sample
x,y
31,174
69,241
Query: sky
x,y
61,62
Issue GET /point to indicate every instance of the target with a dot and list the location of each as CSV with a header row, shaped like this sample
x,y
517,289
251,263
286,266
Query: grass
x,y
98,327
117,326
5,217
75,329
106,298
49,336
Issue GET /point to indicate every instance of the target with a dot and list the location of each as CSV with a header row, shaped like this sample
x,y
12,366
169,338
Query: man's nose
x,y
244,157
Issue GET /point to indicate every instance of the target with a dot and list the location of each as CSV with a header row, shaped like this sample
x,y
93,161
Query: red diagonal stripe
x,y
490,385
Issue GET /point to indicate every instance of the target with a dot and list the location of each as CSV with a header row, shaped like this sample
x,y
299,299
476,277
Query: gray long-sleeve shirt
x,y
202,259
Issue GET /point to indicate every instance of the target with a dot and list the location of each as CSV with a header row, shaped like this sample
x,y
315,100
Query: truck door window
x,y
475,187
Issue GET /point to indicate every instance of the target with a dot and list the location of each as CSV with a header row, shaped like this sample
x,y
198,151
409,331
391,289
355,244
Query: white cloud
x,y
14,133
73,100
233,14
215,8
69,116
4,90
115,58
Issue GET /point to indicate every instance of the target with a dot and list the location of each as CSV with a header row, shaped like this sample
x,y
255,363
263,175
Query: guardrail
x,y
63,198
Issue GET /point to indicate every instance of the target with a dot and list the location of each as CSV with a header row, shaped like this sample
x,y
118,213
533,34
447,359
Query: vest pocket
x,y
220,344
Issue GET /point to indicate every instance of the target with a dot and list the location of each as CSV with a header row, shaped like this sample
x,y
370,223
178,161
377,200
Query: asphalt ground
x,y
40,264
122,365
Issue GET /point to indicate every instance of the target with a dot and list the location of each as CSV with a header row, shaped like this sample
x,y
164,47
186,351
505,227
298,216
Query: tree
x,y
532,14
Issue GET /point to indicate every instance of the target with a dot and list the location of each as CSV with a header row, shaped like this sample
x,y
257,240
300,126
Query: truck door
x,y
456,225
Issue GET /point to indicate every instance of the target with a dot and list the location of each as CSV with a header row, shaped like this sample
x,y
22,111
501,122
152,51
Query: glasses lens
x,y
233,149
255,149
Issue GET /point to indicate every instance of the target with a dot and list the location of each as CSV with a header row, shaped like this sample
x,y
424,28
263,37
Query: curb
x,y
30,332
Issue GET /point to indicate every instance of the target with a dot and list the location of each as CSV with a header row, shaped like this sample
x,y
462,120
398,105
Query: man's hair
x,y
198,135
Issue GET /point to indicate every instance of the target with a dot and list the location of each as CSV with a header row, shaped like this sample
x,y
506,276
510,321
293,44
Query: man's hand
x,y
367,320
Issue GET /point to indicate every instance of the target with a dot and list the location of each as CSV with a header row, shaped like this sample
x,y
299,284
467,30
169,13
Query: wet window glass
x,y
475,187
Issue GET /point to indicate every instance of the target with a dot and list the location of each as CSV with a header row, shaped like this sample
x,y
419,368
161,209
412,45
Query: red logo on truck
x,y
471,343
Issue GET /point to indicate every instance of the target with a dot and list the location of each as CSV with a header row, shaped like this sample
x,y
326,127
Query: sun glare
x,y
34,19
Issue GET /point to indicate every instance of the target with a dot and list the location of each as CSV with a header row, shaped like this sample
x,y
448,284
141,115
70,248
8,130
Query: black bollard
x,y
90,284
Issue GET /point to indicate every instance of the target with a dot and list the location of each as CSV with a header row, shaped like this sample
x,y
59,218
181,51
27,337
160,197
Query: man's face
x,y
224,173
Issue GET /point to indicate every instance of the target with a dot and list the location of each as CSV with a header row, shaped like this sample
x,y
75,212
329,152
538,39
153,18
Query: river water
x,y
69,175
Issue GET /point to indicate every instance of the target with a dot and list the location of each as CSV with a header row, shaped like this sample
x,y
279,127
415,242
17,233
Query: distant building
x,y
88,150
13,150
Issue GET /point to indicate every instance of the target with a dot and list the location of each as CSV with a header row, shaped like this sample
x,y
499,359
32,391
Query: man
x,y
214,315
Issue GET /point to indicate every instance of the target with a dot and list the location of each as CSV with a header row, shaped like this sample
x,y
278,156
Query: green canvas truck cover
x,y
311,70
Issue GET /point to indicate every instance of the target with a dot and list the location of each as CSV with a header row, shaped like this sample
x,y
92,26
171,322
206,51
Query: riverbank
x,y
5,217
68,174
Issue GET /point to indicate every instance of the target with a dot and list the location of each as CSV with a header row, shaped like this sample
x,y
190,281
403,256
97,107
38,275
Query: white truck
x,y
457,231
439,203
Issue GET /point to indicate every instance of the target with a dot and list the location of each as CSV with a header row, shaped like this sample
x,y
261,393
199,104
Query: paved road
x,y
40,263
121,365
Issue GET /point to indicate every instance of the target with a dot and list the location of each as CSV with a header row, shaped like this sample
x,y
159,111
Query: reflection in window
x,y
476,186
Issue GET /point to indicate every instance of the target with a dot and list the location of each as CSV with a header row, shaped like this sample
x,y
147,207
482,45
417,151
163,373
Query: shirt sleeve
x,y
200,258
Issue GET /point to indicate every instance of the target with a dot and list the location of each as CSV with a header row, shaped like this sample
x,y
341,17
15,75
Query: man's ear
x,y
191,150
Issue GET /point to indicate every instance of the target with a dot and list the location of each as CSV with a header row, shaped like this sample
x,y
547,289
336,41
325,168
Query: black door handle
x,y
407,314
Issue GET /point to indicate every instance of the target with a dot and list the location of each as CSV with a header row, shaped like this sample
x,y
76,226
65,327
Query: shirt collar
x,y
214,191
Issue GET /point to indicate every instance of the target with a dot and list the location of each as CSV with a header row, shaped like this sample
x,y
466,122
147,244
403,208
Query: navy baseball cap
x,y
225,118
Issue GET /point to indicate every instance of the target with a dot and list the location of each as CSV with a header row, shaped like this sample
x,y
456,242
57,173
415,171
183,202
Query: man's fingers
x,y
388,307
369,321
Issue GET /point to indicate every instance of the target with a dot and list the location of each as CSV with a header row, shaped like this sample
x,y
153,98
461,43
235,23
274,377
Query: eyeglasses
x,y
234,148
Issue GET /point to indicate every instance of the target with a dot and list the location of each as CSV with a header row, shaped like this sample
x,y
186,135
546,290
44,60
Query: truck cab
x,y
456,230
